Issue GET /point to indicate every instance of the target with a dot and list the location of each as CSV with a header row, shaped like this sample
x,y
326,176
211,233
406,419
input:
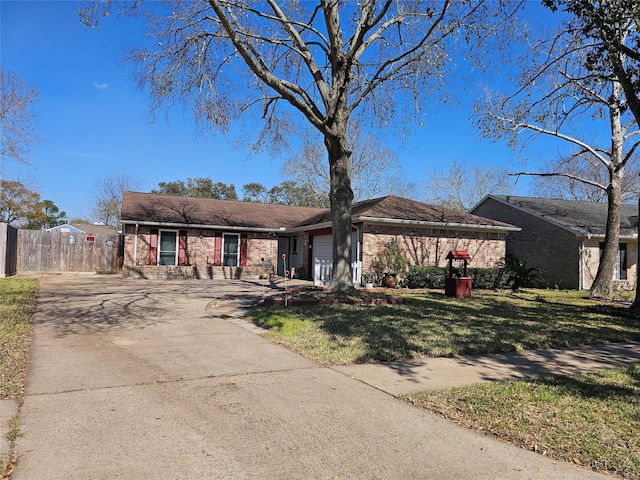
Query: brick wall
x,y
592,261
541,244
202,261
429,246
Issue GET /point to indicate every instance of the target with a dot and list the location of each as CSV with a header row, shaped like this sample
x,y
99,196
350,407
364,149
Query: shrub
x,y
488,278
425,277
433,277
520,275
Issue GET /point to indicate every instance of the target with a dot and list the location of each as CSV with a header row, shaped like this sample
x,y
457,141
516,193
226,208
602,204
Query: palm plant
x,y
520,275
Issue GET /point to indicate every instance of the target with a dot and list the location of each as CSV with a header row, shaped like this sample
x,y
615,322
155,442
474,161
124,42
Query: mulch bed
x,y
321,296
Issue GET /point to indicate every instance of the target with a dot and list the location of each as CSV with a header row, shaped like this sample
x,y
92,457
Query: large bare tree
x,y
17,119
325,61
565,187
561,97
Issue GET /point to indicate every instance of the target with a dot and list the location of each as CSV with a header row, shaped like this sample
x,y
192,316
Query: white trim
x,y
421,223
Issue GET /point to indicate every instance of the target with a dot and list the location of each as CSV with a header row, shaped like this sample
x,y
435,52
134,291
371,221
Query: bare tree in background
x,y
463,185
567,188
108,197
374,168
17,119
558,94
324,62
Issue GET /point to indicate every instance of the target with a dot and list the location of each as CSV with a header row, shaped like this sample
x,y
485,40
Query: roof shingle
x,y
167,209
586,218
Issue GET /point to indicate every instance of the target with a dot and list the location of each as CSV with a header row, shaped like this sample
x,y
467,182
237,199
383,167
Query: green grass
x,y
435,325
17,304
589,419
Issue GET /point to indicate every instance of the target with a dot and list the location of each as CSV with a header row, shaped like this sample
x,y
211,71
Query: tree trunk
x,y
341,197
602,284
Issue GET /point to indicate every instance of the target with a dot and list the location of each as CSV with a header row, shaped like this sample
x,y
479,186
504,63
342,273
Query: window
x,y
620,270
168,252
294,245
230,250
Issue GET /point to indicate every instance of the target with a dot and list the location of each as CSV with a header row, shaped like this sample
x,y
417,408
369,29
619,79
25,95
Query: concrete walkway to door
x,y
134,379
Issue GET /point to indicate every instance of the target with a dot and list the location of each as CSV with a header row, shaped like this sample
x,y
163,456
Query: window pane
x,y
168,249
230,256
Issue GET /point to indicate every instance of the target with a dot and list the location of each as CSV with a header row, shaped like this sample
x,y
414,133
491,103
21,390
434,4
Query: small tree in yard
x,y
326,62
389,260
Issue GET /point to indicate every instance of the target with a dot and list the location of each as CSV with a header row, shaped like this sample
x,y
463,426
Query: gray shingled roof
x,y
584,218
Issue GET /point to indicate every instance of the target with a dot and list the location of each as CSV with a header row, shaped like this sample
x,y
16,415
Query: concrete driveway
x,y
134,379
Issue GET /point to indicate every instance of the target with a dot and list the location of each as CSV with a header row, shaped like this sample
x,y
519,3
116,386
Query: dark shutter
x,y
217,249
243,250
182,247
153,247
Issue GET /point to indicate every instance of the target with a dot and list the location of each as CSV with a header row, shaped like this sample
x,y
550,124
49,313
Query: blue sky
x,y
92,117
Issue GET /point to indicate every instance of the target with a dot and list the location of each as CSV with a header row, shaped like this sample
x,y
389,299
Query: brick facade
x,y
566,260
429,246
203,256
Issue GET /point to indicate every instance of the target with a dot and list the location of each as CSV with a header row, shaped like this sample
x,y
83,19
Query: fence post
x,y
8,249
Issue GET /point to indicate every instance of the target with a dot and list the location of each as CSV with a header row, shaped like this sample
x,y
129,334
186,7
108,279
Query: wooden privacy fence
x,y
59,252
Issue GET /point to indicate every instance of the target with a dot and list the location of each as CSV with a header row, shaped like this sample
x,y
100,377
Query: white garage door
x,y
322,258
323,247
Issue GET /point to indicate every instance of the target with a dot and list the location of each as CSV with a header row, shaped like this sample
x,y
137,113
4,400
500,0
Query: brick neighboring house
x,y
564,238
184,237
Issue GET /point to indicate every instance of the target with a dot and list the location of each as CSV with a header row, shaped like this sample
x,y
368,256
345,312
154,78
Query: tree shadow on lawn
x,y
597,385
435,325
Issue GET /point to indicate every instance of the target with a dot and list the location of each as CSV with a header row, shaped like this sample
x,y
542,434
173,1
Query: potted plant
x,y
368,278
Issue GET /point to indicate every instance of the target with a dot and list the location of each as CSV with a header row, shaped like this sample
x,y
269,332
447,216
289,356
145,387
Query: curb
x,y
9,408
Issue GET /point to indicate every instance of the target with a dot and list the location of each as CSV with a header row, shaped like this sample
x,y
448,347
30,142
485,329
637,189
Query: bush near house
x,y
433,277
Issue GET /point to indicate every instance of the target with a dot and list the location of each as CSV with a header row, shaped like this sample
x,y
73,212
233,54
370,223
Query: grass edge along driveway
x,y
17,306
587,419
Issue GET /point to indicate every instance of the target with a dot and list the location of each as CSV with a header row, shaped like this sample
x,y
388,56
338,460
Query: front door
x,y
283,248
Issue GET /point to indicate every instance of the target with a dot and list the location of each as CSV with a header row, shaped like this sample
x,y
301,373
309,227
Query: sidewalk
x,y
401,378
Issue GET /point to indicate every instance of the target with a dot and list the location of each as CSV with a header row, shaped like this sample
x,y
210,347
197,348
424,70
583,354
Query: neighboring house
x,y
564,238
85,228
185,237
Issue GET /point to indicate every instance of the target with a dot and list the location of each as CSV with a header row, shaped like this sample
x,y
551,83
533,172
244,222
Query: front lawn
x,y
432,325
588,419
